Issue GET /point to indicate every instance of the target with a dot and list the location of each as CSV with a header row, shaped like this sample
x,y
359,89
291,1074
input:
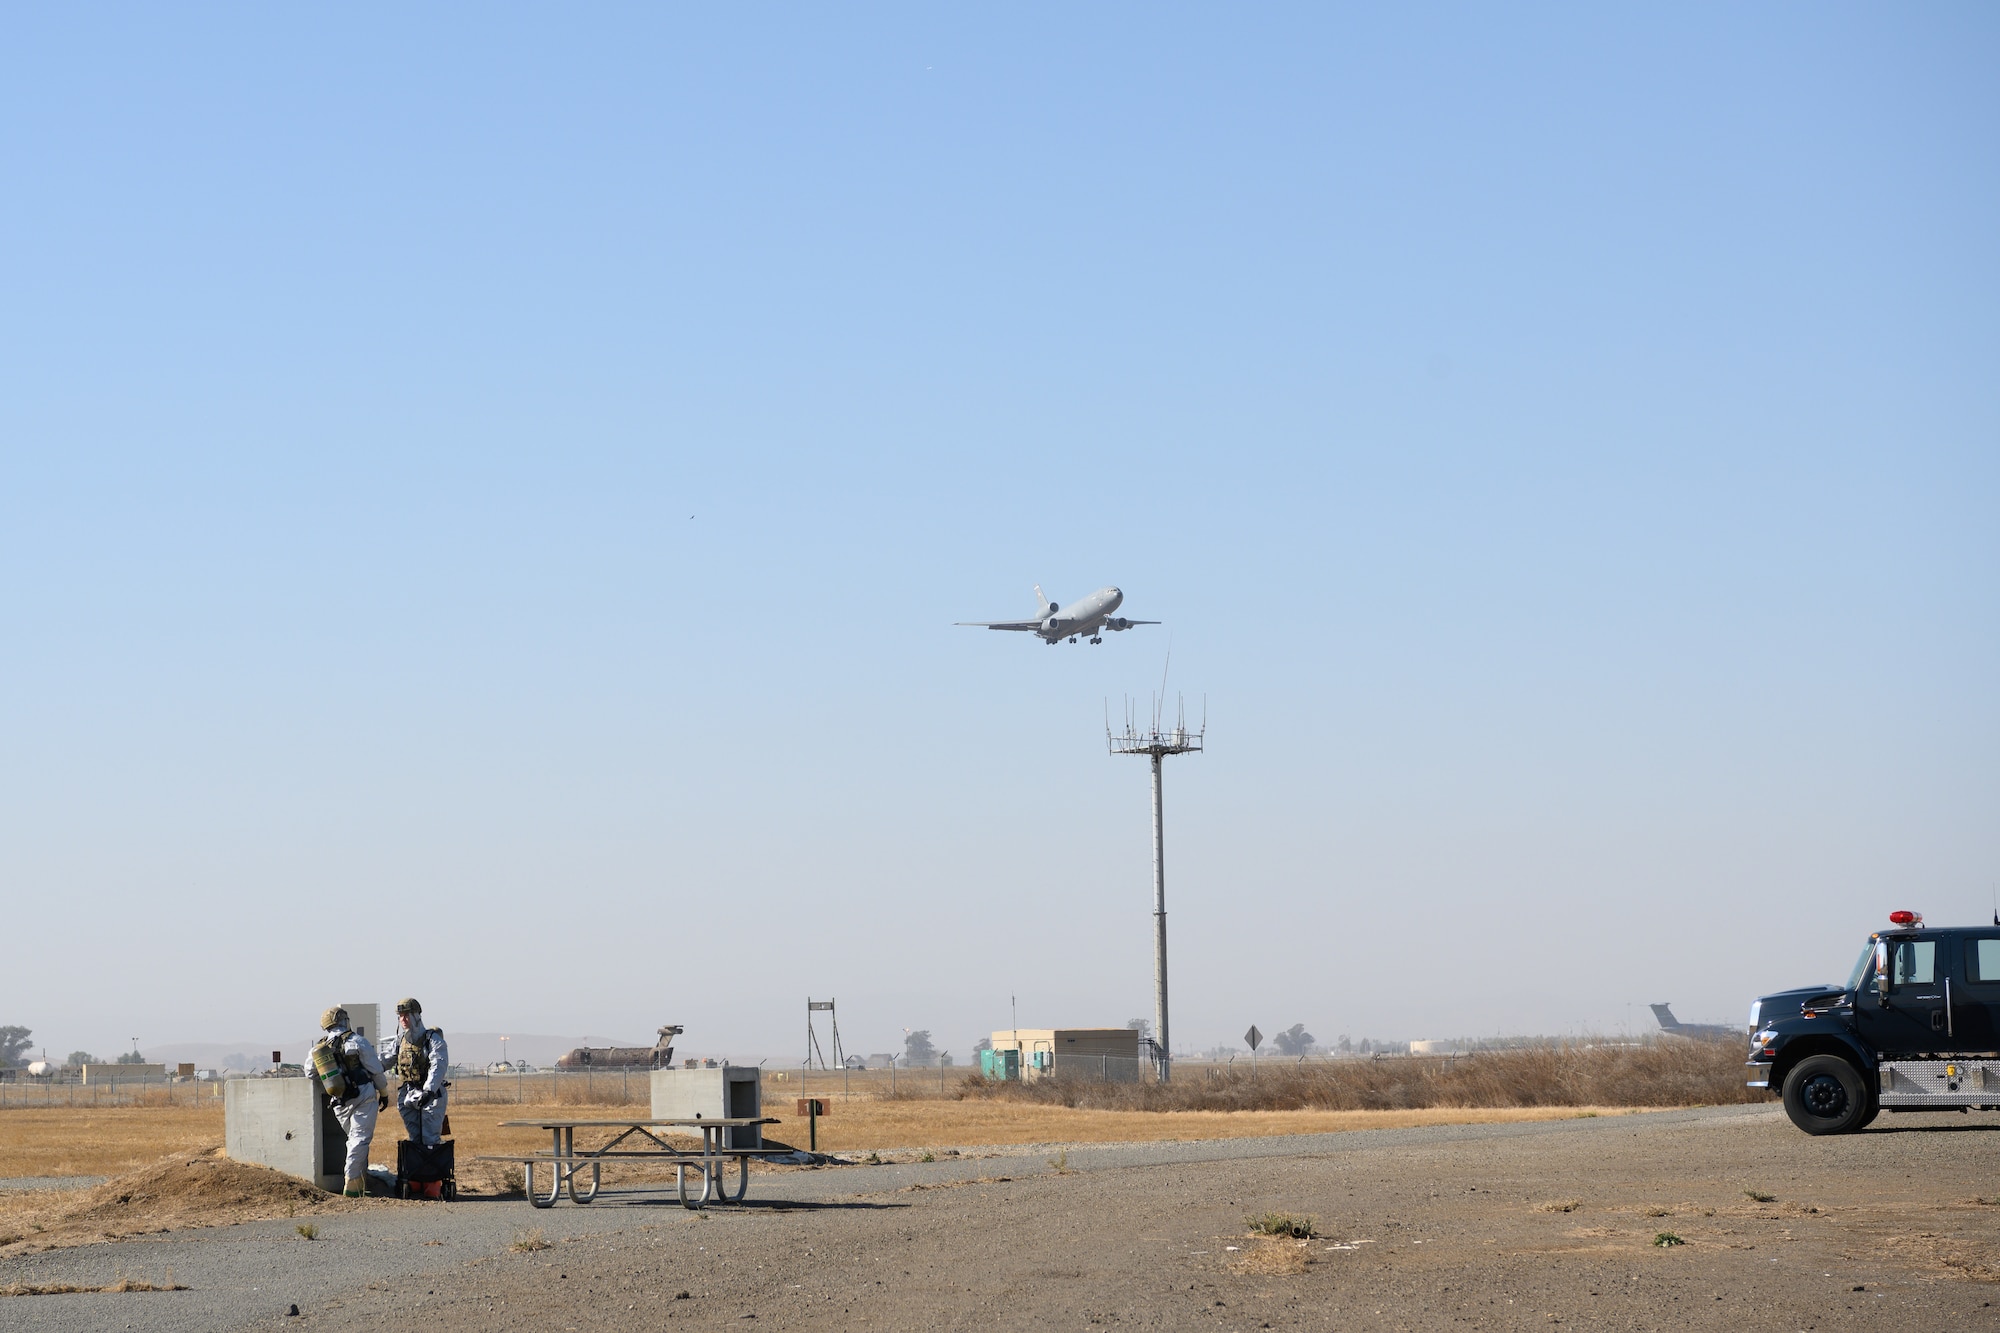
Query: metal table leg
x,y
576,1165
528,1184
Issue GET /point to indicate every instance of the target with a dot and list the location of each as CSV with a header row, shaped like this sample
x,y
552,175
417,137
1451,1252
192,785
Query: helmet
x,y
335,1017
408,1006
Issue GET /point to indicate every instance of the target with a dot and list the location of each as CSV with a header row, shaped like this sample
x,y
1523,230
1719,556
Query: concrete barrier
x,y
285,1124
731,1092
123,1073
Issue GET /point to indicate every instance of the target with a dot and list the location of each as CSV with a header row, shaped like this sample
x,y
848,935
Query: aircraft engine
x,y
1118,622
1051,626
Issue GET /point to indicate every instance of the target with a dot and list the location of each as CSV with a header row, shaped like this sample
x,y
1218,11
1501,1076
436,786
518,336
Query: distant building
x,y
122,1073
1097,1053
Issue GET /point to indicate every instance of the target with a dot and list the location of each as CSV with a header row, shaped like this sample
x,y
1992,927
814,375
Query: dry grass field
x,y
110,1141
1553,1074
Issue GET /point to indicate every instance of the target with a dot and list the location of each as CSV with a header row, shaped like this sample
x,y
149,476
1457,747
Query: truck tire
x,y
1824,1094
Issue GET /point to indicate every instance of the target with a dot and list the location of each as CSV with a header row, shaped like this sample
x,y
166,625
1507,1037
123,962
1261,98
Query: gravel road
x,y
1488,1226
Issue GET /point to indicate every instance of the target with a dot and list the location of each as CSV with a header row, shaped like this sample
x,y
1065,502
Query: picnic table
x,y
567,1162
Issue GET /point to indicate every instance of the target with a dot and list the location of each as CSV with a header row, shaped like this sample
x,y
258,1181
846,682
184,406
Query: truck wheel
x,y
1824,1095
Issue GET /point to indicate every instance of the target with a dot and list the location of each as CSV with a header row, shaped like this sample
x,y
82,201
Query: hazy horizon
x,y
483,505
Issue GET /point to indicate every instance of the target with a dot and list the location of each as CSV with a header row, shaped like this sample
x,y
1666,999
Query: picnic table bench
x,y
566,1162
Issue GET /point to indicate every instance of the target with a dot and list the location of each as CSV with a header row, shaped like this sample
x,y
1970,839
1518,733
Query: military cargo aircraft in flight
x,y
1053,623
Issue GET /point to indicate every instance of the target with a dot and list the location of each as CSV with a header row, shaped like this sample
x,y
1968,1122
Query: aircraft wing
x,y
1001,624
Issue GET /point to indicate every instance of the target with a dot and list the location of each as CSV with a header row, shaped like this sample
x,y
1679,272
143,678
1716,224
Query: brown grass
x,y
100,1141
1266,1256
1555,1074
114,1141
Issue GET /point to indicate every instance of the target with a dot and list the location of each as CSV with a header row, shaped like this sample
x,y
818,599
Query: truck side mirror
x,y
1882,971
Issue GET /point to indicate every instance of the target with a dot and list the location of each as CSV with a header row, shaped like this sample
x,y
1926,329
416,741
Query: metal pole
x,y
1160,927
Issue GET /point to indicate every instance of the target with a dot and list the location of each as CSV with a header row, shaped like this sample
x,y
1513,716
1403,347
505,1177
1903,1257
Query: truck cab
x,y
1916,1027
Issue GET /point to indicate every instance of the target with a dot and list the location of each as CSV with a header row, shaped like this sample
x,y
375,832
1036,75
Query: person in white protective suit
x,y
421,1061
351,1074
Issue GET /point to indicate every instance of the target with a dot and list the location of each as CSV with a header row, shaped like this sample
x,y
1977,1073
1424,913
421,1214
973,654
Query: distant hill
x,y
466,1048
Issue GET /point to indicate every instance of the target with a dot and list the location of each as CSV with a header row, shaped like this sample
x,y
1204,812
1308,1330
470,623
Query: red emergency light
x,y
1906,918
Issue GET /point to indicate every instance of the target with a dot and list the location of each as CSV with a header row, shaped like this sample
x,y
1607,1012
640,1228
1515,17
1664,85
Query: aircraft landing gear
x,y
1072,638
1098,639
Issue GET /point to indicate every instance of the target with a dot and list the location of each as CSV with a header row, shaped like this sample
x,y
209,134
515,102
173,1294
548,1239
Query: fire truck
x,y
1915,1028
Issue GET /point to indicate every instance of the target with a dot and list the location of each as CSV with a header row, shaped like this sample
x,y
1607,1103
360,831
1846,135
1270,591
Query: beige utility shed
x,y
1106,1053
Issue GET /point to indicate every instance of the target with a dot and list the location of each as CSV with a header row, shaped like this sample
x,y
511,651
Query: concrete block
x,y
285,1124
365,1019
731,1092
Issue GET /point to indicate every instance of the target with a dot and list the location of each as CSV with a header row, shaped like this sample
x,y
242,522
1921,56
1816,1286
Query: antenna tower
x,y
813,1051
1157,742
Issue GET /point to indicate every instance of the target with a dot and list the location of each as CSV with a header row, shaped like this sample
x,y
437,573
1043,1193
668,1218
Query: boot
x,y
357,1187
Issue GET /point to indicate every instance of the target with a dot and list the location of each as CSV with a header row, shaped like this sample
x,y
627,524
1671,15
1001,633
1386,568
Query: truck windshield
x,y
1862,966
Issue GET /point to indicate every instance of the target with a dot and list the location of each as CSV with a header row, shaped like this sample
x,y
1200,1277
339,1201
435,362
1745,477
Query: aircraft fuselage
x,y
1084,617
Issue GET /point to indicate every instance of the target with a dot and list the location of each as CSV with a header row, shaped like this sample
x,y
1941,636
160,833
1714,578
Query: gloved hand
x,y
382,1103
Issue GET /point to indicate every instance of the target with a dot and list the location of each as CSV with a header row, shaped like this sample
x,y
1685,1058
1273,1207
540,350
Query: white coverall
x,y
422,1105
357,1113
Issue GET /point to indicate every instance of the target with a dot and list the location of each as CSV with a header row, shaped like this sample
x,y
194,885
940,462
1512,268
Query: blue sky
x,y
484,495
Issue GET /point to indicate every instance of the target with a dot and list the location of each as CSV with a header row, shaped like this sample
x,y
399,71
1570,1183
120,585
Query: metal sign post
x,y
1256,1039
813,1051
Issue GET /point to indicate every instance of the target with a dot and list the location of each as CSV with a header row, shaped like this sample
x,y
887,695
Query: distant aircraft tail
x,y
1666,1016
1043,604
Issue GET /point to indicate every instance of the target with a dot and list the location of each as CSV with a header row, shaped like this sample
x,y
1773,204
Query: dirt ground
x,y
1561,1225
166,1169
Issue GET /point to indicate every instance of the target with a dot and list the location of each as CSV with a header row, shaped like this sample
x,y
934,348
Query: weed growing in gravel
x,y
1268,1258
1281,1224
307,1231
1061,1161
527,1242
1758,1196
1667,1240
928,1156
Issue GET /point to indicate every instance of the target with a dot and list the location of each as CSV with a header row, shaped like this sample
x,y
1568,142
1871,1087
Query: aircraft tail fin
x,y
1665,1014
1042,603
